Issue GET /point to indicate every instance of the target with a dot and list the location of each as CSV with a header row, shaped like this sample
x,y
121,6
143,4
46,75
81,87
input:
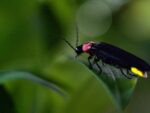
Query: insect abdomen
x,y
110,59
116,56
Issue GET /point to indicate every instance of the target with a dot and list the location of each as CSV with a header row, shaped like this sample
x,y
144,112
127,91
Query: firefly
x,y
114,56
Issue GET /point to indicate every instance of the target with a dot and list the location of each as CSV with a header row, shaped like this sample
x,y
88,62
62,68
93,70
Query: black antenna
x,y
77,34
77,40
69,44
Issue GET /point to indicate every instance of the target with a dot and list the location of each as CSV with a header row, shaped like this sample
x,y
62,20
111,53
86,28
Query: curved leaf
x,y
17,75
119,86
87,94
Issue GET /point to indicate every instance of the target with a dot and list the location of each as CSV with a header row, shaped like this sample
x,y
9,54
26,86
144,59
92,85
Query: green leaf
x,y
92,97
17,75
87,94
119,86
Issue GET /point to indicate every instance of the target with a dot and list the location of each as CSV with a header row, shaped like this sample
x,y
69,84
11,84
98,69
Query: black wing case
x,y
115,56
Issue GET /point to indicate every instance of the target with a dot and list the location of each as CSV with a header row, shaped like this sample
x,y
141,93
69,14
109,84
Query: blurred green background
x,y
30,41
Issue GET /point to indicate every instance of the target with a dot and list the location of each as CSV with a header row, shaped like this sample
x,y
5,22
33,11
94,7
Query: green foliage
x,y
119,87
37,75
14,75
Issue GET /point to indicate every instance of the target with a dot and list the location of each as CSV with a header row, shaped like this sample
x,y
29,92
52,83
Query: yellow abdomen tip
x,y
138,72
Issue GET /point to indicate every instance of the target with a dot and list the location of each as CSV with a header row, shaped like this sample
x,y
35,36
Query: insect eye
x,y
79,50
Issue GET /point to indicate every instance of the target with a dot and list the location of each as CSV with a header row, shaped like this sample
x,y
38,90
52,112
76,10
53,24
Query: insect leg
x,y
99,67
103,63
129,73
124,74
90,64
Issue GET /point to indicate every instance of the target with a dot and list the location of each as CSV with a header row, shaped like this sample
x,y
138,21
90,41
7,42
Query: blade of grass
x,y
18,75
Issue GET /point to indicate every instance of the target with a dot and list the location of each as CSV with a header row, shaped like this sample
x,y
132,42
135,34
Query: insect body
x,y
115,56
112,55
